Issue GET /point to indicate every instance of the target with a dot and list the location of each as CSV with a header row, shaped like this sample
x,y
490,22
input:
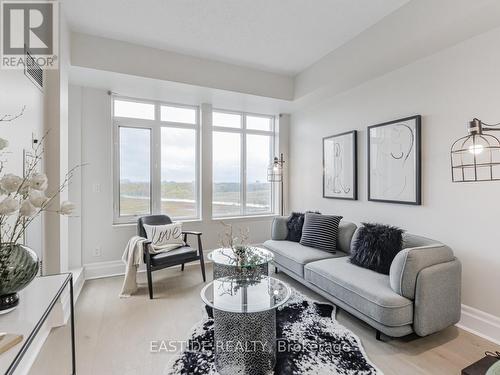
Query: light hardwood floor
x,y
114,335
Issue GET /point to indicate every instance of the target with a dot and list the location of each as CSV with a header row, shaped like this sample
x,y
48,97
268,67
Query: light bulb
x,y
476,149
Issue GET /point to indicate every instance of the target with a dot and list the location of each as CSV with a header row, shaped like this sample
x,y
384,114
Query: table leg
x,y
72,317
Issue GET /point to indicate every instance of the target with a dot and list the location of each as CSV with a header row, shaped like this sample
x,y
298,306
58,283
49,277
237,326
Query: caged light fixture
x,y
275,174
476,157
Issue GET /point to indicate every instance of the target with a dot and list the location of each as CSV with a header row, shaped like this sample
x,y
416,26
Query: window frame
x,y
155,127
243,131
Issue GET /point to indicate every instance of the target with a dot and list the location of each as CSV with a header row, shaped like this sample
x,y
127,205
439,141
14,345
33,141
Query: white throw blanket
x,y
133,258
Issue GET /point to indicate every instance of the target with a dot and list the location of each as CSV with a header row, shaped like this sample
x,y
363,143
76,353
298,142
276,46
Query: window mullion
x,y
156,162
243,187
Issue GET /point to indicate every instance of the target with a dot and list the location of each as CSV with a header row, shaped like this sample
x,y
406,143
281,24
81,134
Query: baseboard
x,y
112,268
117,268
104,269
480,323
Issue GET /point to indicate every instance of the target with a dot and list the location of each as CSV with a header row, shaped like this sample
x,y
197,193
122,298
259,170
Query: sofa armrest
x,y
409,262
437,298
279,229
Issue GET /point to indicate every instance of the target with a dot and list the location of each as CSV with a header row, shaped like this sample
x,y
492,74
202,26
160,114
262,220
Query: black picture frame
x,y
354,156
417,158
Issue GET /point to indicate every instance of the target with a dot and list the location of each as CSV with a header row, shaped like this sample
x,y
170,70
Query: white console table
x,y
36,302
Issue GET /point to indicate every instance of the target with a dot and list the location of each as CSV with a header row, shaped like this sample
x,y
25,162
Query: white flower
x,y
8,206
27,209
10,182
38,181
3,143
67,208
37,198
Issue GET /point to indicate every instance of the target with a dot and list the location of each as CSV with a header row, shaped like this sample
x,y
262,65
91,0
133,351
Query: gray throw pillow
x,y
320,231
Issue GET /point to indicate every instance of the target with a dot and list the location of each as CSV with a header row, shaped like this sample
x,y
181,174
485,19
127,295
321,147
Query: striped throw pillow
x,y
320,231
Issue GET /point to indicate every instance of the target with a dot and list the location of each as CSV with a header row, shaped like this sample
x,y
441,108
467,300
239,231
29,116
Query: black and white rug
x,y
315,343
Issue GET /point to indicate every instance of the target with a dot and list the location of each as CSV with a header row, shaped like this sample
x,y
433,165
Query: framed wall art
x,y
394,161
340,166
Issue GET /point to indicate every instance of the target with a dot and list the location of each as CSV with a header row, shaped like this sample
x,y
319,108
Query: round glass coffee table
x,y
244,310
255,262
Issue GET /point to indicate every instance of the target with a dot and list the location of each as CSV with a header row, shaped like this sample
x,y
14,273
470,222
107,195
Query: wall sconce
x,y
476,157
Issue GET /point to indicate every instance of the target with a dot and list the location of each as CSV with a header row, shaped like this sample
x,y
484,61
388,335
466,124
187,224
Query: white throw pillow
x,y
165,237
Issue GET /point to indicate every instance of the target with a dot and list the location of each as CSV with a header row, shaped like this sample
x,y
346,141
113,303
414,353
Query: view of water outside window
x,y
258,160
178,173
135,171
226,174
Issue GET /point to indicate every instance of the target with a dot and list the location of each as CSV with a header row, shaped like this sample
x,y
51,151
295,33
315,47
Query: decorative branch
x,y
26,196
44,207
9,118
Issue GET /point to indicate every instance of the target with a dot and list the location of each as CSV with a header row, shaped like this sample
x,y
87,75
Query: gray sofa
x,y
421,294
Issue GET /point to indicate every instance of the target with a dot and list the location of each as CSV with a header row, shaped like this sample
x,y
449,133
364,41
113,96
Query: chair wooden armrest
x,y
192,232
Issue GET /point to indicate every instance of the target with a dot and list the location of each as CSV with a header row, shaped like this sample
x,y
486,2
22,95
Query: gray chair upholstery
x,y
180,256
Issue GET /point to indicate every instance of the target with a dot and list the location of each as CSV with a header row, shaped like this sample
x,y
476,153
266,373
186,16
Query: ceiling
x,y
280,36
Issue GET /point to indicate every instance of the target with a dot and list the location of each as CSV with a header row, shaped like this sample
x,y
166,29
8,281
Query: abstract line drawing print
x,y
393,162
339,166
339,184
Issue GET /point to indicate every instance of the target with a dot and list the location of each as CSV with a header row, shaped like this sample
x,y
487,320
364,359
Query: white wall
x,y
448,89
127,58
17,90
98,230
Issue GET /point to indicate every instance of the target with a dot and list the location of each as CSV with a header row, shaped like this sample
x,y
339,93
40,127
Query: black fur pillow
x,y
294,226
375,247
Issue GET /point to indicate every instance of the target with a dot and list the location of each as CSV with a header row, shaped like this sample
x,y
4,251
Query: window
x,y
226,174
242,151
156,160
178,172
226,120
126,108
135,174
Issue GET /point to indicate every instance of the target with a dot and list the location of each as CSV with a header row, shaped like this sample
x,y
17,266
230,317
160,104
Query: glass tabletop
x,y
245,295
253,256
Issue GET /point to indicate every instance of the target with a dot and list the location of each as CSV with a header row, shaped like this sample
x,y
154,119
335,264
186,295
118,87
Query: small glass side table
x,y
255,262
244,310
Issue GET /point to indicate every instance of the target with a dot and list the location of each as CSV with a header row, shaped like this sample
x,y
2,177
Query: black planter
x,y
18,267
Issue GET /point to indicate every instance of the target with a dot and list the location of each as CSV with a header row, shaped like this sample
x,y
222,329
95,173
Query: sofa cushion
x,y
367,291
320,231
344,238
279,229
294,256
